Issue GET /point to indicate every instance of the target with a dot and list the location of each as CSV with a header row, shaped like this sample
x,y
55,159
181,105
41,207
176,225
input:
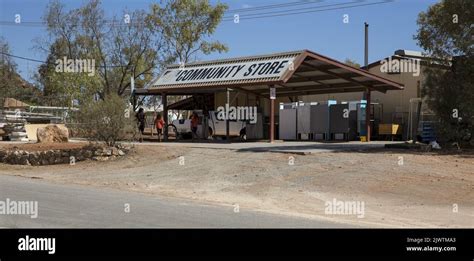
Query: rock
x,y
33,158
24,160
58,160
87,154
65,160
123,148
3,155
52,133
49,154
115,151
57,154
49,157
51,161
16,157
100,158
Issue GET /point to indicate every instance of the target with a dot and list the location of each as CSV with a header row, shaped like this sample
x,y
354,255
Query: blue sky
x,y
392,26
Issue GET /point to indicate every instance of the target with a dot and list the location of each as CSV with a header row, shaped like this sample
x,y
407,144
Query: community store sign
x,y
268,68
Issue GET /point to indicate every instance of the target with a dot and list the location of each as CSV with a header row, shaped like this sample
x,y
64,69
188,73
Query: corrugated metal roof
x,y
309,72
242,59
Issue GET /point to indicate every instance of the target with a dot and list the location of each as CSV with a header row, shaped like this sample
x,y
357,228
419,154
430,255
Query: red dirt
x,y
43,146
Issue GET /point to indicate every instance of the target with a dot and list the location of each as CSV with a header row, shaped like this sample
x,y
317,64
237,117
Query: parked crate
x,y
319,121
287,122
389,129
339,120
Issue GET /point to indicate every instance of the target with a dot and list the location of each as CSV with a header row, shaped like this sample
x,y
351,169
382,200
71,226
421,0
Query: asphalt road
x,y
72,206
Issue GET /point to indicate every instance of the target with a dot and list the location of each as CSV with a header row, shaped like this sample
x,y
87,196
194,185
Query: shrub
x,y
106,120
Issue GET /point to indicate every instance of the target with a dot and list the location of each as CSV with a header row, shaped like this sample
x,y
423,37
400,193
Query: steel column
x,y
164,101
272,117
367,115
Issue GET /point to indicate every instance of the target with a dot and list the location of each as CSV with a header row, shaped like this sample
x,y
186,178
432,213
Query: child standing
x,y
159,123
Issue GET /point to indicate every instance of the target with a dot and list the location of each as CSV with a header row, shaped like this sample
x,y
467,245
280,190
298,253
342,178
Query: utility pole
x,y
367,93
366,48
227,127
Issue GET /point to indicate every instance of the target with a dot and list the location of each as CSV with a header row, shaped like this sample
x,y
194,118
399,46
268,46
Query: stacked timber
x,y
12,125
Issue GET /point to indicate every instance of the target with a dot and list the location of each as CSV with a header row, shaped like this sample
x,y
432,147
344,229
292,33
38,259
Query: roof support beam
x,y
302,78
328,87
324,91
251,92
295,90
340,76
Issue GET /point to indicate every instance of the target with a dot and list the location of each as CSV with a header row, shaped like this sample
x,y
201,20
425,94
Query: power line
x,y
112,23
244,17
257,16
23,58
263,7
291,10
286,12
45,62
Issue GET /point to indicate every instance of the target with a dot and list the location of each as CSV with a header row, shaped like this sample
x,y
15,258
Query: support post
x,y
272,114
227,127
417,121
368,110
367,93
164,101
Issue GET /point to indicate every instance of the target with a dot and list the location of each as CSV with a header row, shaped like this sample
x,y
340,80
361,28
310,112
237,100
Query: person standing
x,y
159,123
141,121
194,124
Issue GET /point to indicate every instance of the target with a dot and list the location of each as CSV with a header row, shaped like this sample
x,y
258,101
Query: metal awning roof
x,y
292,73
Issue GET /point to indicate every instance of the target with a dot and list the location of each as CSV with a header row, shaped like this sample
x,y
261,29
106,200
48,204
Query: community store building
x,y
263,81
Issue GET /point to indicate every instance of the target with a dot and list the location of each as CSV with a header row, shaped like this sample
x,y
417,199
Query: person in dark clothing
x,y
194,125
141,121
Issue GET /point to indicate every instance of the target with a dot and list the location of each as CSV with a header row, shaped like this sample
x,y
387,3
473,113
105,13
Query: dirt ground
x,y
399,188
43,146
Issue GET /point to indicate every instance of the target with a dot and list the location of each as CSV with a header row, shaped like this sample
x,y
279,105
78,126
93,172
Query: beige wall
x,y
393,101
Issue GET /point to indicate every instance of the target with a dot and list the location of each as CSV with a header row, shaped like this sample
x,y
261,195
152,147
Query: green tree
x,y
11,83
186,26
61,88
121,48
446,34
137,44
351,63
